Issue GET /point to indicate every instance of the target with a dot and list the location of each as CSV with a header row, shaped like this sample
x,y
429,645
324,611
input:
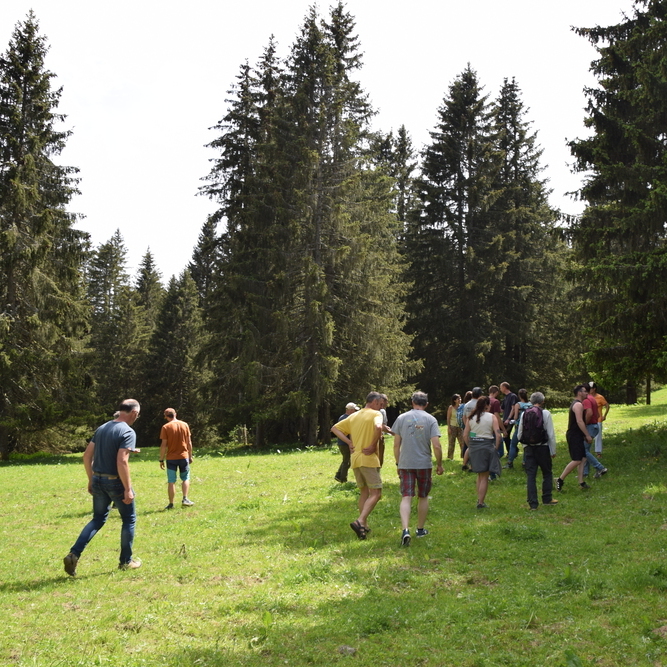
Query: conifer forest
x,y
340,259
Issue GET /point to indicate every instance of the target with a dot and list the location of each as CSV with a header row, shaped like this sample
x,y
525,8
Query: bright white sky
x,y
143,81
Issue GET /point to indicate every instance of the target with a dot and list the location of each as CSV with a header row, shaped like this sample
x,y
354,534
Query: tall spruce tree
x,y
42,311
246,316
452,244
396,155
620,238
174,377
312,244
118,327
204,260
532,341
148,285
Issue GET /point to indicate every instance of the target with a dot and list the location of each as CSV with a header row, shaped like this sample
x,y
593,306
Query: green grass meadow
x,y
264,569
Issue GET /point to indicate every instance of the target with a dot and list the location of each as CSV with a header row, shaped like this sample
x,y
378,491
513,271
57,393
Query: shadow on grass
x,y
38,584
42,459
152,454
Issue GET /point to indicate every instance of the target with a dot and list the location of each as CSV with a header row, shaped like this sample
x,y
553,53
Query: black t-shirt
x,y
508,403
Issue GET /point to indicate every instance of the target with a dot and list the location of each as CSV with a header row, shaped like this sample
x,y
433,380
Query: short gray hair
x,y
537,397
420,398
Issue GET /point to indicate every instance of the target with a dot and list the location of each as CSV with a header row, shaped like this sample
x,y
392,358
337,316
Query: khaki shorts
x,y
369,477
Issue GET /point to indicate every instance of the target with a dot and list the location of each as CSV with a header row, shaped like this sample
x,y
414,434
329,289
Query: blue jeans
x,y
514,446
105,492
593,430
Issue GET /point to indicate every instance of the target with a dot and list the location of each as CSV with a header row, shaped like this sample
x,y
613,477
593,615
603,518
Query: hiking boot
x,y
599,473
405,538
132,565
170,506
482,506
70,562
187,502
551,502
508,466
533,508
422,532
584,486
559,484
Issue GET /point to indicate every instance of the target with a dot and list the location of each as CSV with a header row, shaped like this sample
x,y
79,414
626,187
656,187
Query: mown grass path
x,y
264,569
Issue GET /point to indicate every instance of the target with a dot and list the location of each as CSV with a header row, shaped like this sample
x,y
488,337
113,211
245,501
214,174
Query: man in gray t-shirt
x,y
414,434
470,406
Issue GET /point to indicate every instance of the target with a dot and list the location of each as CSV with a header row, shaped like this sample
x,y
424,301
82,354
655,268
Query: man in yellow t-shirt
x,y
176,450
364,428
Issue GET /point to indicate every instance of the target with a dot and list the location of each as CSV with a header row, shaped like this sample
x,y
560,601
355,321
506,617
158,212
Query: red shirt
x,y
591,404
494,407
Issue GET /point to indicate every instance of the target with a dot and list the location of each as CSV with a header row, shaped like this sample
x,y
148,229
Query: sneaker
x,y
405,538
70,562
422,532
533,508
559,484
132,565
508,466
599,473
482,506
187,502
583,485
339,480
551,502
170,506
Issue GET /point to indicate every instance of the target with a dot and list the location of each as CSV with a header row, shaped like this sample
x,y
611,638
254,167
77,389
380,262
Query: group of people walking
x,y
484,427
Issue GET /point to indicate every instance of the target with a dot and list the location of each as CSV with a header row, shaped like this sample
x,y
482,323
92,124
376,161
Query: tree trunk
x,y
325,424
7,444
630,393
648,390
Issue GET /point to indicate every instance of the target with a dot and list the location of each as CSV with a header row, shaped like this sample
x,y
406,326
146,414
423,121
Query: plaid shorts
x,y
419,476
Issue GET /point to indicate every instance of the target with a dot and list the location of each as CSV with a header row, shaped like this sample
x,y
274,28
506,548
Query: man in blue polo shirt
x,y
106,461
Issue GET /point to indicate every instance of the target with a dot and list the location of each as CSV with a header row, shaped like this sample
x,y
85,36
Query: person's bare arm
x,y
163,453
397,447
579,414
497,430
341,436
123,464
437,450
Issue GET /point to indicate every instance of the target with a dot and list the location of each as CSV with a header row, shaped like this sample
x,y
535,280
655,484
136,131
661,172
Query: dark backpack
x,y
533,431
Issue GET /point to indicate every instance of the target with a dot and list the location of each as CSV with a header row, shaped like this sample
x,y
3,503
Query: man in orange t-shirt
x,y
176,450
